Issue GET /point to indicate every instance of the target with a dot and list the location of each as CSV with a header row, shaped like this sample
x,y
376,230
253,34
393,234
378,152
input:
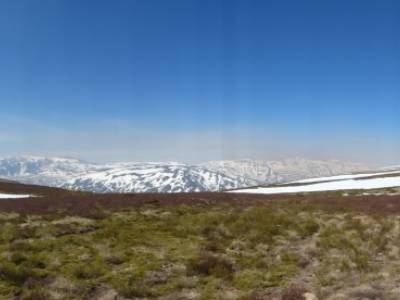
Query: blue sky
x,y
194,80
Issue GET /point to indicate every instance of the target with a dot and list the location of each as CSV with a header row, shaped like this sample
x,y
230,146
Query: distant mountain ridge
x,y
165,177
282,171
44,171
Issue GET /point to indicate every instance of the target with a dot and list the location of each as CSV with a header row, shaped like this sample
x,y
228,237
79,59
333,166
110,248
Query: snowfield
x,y
334,183
342,177
13,196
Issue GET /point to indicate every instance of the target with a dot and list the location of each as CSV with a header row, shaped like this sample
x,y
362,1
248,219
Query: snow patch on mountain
x,y
13,196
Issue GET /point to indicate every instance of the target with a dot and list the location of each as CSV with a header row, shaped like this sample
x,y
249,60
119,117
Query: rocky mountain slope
x,y
164,177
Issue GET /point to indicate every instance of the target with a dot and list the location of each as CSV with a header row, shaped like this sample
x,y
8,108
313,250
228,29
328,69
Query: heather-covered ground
x,y
284,249
68,245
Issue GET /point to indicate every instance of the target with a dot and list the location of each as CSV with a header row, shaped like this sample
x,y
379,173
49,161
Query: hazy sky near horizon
x,y
194,80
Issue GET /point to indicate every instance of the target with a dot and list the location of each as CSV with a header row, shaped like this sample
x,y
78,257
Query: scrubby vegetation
x,y
285,250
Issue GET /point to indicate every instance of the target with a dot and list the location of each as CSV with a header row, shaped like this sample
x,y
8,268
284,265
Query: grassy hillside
x,y
271,250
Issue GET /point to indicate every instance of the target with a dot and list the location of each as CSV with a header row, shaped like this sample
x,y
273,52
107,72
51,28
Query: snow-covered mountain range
x,y
154,177
165,177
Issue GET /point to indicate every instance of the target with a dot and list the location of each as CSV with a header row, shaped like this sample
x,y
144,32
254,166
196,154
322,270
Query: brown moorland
x,y
50,200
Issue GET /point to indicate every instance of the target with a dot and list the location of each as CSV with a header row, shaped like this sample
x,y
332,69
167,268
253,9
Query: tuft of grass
x,y
210,265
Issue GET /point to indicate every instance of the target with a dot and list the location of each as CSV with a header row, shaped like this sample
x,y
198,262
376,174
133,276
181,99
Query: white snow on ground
x,y
13,196
349,184
343,177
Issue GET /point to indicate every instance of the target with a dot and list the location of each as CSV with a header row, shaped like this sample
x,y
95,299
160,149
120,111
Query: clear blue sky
x,y
200,79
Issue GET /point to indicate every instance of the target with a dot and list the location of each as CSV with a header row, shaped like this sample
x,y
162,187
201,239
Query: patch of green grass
x,y
249,280
308,227
283,271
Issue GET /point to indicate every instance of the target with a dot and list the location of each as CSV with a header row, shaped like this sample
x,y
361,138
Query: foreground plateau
x,y
75,245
